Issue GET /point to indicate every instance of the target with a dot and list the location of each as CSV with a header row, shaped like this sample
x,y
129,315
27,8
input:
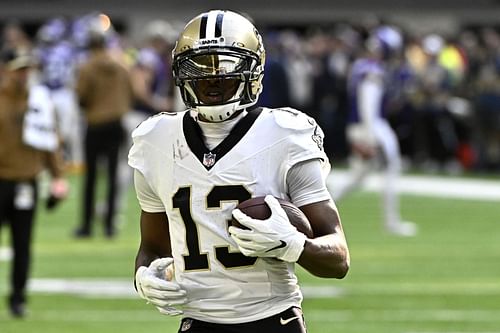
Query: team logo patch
x,y
317,138
208,159
186,325
219,41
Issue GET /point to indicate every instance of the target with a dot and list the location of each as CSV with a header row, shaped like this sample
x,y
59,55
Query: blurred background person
x,y
369,134
485,86
105,95
435,140
276,82
57,59
153,91
29,143
15,38
151,73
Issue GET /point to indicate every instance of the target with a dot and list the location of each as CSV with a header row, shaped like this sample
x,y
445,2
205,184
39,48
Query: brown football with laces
x,y
257,208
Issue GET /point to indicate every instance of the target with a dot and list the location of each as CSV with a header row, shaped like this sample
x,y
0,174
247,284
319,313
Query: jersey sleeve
x,y
148,200
304,135
306,183
147,160
138,152
304,163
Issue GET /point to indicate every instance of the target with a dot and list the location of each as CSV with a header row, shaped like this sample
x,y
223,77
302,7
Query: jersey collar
x,y
194,138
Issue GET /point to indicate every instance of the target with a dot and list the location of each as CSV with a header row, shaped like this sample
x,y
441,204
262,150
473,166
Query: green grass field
x,y
447,279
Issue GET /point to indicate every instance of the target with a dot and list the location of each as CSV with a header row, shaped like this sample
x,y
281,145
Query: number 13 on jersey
x,y
196,260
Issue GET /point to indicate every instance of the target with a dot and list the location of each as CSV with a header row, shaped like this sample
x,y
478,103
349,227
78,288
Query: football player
x,y
191,170
57,60
368,132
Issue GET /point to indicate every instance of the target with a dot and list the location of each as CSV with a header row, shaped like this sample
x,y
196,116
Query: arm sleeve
x,y
55,163
148,200
306,183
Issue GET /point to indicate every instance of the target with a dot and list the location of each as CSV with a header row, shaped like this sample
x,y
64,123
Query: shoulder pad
x,y
149,124
293,119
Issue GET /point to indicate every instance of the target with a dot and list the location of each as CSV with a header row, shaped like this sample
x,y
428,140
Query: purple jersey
x,y
149,58
57,65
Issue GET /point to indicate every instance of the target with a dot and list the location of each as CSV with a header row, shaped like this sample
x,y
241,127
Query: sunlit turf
x,y
444,280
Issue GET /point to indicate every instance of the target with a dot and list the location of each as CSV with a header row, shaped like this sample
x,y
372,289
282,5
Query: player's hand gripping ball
x,y
263,228
257,208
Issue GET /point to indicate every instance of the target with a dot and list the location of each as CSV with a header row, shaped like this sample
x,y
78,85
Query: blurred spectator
x,y
105,95
15,38
276,90
153,90
325,102
436,138
298,68
29,143
151,74
487,106
440,77
402,85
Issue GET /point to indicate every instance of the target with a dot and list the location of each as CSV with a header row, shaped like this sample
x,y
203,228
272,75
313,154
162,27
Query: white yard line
x,y
100,288
433,186
123,288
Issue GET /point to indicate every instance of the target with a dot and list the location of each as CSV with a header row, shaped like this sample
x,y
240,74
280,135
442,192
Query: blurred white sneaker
x,y
402,228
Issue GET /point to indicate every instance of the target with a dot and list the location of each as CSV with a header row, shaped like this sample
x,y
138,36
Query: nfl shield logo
x,y
186,324
209,160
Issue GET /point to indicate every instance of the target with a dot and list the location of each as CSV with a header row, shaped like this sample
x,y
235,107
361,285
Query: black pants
x,y
288,321
17,208
101,143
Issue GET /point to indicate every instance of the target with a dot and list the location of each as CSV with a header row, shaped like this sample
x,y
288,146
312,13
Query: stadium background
x,y
443,280
423,15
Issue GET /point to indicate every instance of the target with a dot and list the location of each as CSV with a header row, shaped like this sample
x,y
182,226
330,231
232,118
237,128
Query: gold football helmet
x,y
218,64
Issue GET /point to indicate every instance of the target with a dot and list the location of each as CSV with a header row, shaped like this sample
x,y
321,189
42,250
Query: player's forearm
x,y
145,257
326,256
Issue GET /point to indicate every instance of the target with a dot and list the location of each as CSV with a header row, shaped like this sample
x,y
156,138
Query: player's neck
x,y
214,133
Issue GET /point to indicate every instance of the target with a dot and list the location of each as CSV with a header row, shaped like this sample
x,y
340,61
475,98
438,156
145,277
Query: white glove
x,y
155,285
275,237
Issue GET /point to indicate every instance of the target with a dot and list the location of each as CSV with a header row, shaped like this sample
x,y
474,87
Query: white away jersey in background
x,y
199,188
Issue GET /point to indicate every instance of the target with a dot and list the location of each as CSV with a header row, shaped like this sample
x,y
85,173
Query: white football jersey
x,y
199,188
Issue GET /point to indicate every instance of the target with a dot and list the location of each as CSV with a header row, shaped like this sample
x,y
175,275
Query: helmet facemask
x,y
218,81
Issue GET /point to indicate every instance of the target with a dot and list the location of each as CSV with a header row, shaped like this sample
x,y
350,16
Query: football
x,y
257,208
